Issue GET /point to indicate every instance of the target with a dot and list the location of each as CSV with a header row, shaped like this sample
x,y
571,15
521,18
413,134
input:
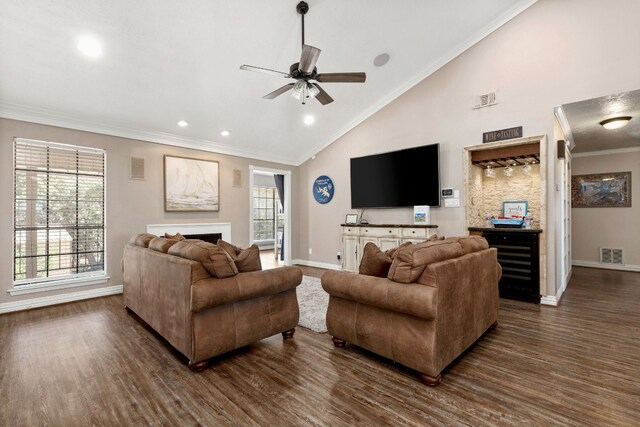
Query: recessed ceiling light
x,y
381,59
309,120
89,46
182,123
615,122
225,133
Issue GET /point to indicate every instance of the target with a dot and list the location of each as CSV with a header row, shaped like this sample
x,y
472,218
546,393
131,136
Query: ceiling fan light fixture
x,y
298,89
615,122
312,90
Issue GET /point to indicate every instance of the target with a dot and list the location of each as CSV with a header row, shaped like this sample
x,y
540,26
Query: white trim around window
x,y
53,285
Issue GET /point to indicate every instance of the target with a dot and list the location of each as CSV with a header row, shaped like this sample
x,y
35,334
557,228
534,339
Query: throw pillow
x,y
213,258
246,260
374,262
161,244
176,236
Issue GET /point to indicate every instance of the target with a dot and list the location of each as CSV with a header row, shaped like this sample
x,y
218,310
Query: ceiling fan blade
x,y
308,59
322,96
279,91
263,70
341,77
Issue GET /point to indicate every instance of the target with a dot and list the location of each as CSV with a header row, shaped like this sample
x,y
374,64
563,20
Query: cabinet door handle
x,y
389,231
414,232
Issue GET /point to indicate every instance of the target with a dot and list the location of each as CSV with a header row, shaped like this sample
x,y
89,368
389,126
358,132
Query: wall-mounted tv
x,y
409,177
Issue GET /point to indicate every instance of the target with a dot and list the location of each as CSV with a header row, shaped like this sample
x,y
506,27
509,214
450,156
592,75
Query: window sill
x,y
58,284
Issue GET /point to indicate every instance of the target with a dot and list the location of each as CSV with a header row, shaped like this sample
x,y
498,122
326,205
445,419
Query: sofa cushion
x,y
213,258
473,244
411,261
176,236
246,259
142,239
161,244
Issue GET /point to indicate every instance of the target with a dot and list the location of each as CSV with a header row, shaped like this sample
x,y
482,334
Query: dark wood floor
x,y
91,363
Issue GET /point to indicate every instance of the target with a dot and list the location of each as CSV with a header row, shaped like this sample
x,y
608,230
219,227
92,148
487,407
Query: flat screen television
x,y
409,177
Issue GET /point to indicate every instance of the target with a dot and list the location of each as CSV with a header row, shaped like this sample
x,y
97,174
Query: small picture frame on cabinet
x,y
352,219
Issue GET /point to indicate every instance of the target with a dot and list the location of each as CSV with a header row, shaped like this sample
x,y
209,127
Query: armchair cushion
x,y
413,299
176,236
213,258
374,262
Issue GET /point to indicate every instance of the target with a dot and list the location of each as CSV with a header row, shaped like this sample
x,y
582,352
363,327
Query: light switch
x,y
451,203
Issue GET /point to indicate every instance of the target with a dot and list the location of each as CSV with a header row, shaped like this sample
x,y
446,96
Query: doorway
x,y
270,215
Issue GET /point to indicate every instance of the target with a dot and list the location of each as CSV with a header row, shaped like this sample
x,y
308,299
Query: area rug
x,y
313,302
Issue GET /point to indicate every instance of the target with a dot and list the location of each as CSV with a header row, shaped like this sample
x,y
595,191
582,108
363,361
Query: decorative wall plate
x,y
323,189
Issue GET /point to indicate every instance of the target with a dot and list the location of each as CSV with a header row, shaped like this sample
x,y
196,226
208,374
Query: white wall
x,y
553,53
608,227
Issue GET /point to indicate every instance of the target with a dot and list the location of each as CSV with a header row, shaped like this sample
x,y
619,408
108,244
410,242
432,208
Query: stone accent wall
x,y
487,194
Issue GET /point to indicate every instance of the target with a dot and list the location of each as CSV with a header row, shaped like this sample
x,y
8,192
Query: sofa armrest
x,y
213,292
408,298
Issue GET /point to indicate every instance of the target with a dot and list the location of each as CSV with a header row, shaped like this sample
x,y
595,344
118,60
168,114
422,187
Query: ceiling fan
x,y
306,74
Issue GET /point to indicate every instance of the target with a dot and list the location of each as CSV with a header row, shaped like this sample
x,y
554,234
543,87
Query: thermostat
x,y
447,192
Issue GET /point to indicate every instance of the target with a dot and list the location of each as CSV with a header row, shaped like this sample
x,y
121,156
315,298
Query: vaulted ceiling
x,y
166,61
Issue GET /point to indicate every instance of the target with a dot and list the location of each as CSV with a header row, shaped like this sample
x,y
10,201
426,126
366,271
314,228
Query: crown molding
x,y
498,22
606,152
44,116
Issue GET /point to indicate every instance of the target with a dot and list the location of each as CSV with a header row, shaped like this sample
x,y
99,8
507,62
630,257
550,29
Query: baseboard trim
x,y
28,304
324,265
595,264
549,300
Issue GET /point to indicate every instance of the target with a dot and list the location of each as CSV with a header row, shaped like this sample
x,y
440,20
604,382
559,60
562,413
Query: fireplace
x,y
208,232
207,237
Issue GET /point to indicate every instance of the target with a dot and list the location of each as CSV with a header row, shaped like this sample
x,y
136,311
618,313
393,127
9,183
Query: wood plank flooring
x,y
91,363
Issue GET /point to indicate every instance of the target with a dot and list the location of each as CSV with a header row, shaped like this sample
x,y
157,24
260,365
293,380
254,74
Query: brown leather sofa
x,y
204,316
437,300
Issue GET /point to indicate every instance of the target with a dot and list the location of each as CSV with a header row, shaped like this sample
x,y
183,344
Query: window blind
x,y
59,209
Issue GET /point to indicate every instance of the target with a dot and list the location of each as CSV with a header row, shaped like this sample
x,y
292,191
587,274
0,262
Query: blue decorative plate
x,y
323,189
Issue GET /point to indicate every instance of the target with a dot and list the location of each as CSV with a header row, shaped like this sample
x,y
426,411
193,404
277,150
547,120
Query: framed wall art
x,y
191,185
601,190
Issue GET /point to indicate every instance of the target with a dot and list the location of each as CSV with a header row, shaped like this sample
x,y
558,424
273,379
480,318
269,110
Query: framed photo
x,y
422,215
602,190
515,208
351,219
191,185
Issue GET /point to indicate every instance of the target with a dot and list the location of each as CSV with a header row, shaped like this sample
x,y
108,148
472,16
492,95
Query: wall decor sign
x,y
515,208
323,189
502,134
191,185
602,190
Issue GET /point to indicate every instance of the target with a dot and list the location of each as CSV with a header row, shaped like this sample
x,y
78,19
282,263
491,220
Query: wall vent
x,y
237,178
486,100
611,256
137,168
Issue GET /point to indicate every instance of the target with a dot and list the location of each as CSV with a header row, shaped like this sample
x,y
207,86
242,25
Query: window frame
x,y
256,208
31,285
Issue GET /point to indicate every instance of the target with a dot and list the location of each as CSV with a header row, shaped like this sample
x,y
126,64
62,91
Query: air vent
x,y
611,256
486,100
137,168
237,178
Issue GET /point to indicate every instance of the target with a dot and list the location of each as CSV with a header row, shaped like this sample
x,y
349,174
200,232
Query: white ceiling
x,y
584,119
170,60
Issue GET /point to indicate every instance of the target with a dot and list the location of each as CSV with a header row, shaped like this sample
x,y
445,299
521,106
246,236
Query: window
x,y
264,208
59,210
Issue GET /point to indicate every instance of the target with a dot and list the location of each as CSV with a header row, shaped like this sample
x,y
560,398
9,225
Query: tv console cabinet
x,y
385,236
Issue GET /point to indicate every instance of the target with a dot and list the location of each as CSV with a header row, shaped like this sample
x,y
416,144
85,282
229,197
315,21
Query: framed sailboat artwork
x,y
191,185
